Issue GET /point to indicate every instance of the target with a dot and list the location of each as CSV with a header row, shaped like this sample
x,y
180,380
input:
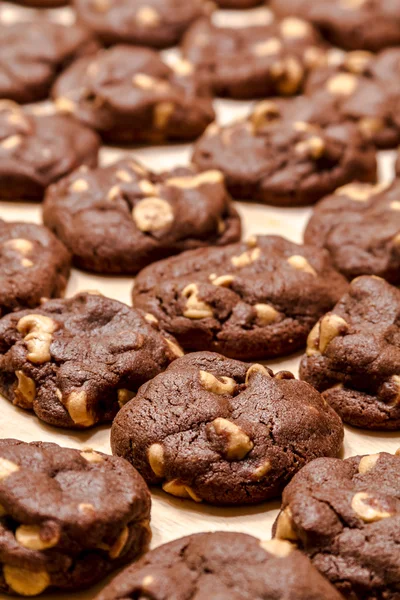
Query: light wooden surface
x,y
173,518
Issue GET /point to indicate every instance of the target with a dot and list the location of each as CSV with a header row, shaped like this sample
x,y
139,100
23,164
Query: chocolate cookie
x,y
75,362
123,217
253,300
223,566
351,24
280,156
155,23
33,265
346,516
220,431
68,517
359,225
33,54
130,95
37,150
254,62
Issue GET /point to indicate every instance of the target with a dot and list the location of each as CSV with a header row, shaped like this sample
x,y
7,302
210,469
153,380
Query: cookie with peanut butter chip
x,y
223,565
154,23
252,300
129,94
75,362
282,155
353,357
123,217
68,517
345,515
351,24
37,150
33,265
274,59
360,227
33,54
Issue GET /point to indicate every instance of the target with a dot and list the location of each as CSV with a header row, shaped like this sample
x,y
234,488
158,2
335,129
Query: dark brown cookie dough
x,y
33,54
75,362
281,156
121,218
254,62
33,265
221,431
345,515
154,23
223,566
351,24
360,227
68,517
129,94
252,300
37,150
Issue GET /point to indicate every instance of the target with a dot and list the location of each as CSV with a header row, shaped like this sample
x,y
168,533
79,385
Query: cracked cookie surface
x,y
68,517
225,432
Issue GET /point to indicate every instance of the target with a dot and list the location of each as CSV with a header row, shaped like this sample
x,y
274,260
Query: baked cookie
x,y
254,62
360,227
221,431
75,362
351,24
223,565
252,300
154,23
346,516
69,517
33,265
120,218
33,54
280,156
37,150
129,94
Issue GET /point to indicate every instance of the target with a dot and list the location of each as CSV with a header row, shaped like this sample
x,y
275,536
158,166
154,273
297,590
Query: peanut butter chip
x,y
223,280
7,468
330,327
267,48
288,74
195,181
367,508
91,456
195,308
155,455
343,84
76,404
79,185
301,264
148,16
25,582
284,526
177,488
11,142
29,536
124,396
162,114
279,548
266,314
360,192
357,61
238,443
291,27
177,350
152,214
120,544
20,245
367,463
221,386
313,147
37,331
25,392
264,113
256,368
246,258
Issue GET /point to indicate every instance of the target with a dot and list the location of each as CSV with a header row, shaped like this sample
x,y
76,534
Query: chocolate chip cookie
x,y
154,23
254,62
123,217
346,516
351,24
130,95
278,157
37,150
75,362
68,517
360,227
253,300
217,430
223,565
33,54
33,265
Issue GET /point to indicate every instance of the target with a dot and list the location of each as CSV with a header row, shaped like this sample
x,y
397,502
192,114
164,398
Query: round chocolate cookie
x,y
121,218
75,362
345,515
351,24
68,517
221,431
37,150
154,23
130,95
33,54
360,227
253,300
33,265
280,156
221,566
352,355
254,62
